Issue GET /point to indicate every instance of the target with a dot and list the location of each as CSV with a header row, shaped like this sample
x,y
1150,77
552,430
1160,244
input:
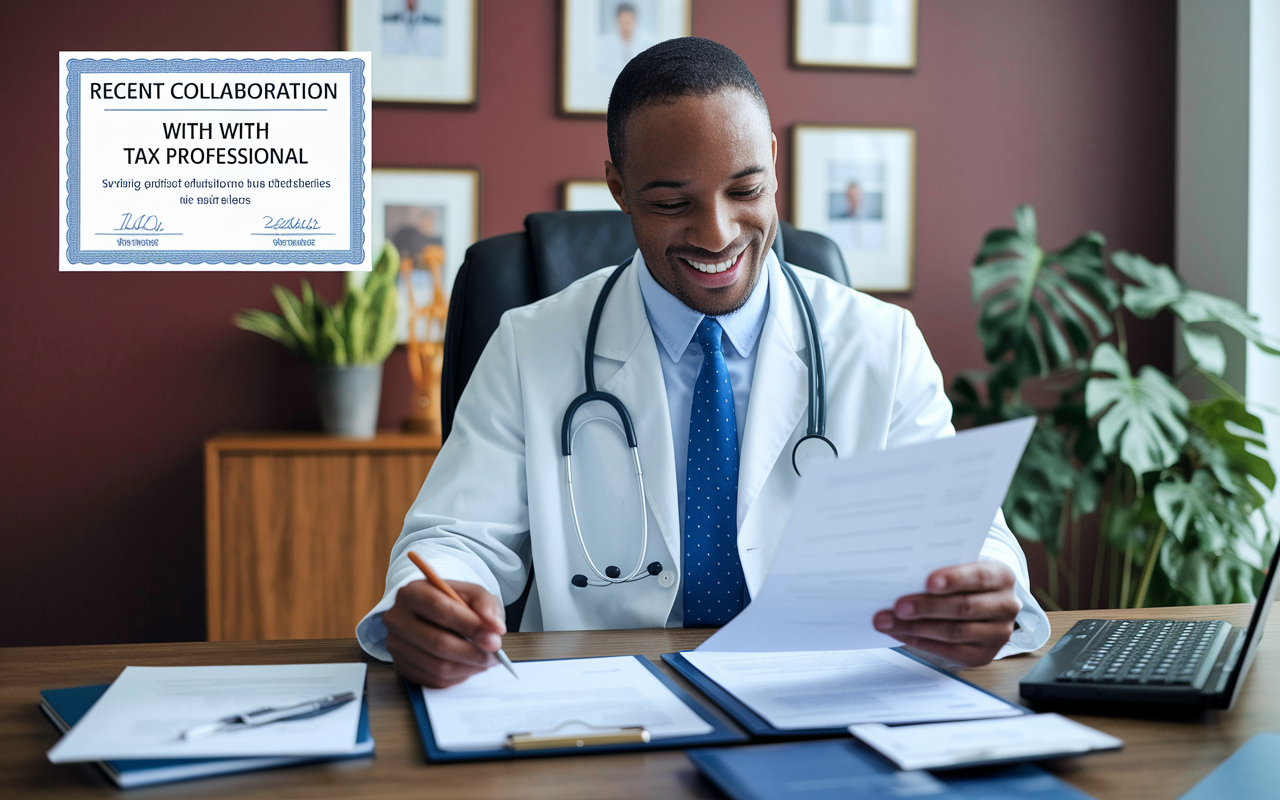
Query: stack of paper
x,y
1034,737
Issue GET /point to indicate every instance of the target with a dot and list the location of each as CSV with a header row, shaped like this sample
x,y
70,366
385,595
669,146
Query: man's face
x,y
626,24
699,185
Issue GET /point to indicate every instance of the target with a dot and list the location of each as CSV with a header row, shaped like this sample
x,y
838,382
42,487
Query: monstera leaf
x,y
1214,555
1228,454
969,406
1038,306
1143,419
1158,288
1037,493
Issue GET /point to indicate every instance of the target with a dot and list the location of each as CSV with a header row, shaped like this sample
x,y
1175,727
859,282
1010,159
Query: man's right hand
x,y
436,642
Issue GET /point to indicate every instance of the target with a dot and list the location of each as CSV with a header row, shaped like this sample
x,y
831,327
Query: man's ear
x,y
614,178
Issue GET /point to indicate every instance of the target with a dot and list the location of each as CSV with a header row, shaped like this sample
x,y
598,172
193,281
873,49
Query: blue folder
x,y
759,727
65,707
721,732
838,769
1249,773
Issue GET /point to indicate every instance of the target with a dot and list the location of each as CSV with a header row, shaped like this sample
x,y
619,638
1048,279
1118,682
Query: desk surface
x,y
1161,759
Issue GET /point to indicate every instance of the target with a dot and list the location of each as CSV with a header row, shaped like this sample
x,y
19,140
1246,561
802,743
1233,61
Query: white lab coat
x,y
496,497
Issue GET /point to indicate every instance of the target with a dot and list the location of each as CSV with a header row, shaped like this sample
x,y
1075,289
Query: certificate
x,y
214,161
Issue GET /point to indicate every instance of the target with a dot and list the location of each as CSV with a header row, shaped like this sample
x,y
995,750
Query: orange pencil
x,y
435,581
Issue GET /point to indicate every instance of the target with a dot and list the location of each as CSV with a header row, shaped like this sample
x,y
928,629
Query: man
x,y
702,341
623,43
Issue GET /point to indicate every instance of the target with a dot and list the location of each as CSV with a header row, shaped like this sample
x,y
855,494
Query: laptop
x,y
1153,662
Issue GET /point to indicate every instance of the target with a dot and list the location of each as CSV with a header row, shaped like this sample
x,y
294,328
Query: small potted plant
x,y
347,342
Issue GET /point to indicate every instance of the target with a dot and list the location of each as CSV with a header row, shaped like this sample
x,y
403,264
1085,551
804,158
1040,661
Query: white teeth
x,y
711,269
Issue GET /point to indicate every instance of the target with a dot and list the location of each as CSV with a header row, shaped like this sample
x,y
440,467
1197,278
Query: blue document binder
x,y
65,707
721,733
758,726
1249,773
839,769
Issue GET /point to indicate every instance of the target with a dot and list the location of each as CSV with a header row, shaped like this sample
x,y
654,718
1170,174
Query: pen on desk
x,y
435,581
265,716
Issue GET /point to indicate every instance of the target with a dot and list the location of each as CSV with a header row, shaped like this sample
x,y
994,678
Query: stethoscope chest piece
x,y
812,449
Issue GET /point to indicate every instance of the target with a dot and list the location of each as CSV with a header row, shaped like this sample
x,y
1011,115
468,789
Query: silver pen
x,y
265,716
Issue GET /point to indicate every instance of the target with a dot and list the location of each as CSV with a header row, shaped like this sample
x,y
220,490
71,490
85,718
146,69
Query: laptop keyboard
x,y
1149,651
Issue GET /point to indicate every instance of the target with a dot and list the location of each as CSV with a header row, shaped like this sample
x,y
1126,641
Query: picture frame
x,y
587,196
598,37
422,51
425,208
857,186
862,34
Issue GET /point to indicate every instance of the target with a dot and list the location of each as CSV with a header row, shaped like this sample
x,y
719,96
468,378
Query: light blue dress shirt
x,y
674,325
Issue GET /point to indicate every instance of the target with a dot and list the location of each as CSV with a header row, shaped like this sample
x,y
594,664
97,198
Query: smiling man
x,y
701,339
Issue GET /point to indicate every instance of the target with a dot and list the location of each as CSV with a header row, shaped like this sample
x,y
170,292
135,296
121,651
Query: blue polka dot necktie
x,y
713,582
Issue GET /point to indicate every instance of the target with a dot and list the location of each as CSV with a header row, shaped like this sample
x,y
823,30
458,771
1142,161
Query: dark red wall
x,y
110,382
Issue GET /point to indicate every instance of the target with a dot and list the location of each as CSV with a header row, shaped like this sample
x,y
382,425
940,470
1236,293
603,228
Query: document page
x,y
146,709
950,744
868,529
844,687
570,695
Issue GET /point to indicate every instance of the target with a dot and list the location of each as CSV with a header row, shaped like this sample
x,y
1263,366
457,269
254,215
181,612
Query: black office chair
x,y
555,249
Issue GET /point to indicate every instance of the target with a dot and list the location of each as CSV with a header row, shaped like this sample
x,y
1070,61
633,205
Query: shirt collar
x,y
674,323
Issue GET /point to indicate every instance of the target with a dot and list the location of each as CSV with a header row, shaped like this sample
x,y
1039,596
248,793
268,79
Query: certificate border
x,y
354,67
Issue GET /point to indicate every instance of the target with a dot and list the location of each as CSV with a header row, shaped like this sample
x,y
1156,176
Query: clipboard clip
x,y
595,736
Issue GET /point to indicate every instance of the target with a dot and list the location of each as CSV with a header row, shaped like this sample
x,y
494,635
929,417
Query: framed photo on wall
x,y
871,34
857,186
424,51
432,216
587,196
599,37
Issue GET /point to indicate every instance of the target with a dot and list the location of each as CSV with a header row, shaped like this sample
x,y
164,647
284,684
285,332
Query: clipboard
x,y
761,728
721,732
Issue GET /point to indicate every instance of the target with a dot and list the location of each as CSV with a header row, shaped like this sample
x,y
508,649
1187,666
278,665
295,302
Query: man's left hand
x,y
966,615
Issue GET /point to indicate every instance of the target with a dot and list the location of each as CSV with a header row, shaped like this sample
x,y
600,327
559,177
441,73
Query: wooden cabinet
x,y
299,529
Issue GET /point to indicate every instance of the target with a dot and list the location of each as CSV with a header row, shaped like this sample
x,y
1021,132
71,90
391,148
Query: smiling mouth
x,y
711,268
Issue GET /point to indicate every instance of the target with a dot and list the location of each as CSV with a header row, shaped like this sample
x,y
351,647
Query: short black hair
x,y
670,70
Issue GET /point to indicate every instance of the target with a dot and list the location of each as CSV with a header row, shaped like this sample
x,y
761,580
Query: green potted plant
x,y
1176,485
347,342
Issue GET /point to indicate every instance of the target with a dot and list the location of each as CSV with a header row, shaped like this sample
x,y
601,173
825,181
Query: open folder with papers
x,y
776,695
145,712
578,705
65,707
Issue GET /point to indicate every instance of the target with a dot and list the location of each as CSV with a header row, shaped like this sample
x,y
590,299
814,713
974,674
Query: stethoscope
x,y
813,445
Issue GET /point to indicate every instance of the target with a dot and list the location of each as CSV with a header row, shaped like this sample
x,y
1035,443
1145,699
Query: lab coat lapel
x,y
625,336
778,401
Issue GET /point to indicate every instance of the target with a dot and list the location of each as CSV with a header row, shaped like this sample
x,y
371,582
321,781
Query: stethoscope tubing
x,y
817,417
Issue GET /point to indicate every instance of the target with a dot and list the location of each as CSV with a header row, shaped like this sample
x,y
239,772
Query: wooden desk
x,y
1162,760
298,528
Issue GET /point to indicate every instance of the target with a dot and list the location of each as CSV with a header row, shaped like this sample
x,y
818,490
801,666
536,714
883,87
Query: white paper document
x,y
868,529
838,688
146,710
951,744
551,696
